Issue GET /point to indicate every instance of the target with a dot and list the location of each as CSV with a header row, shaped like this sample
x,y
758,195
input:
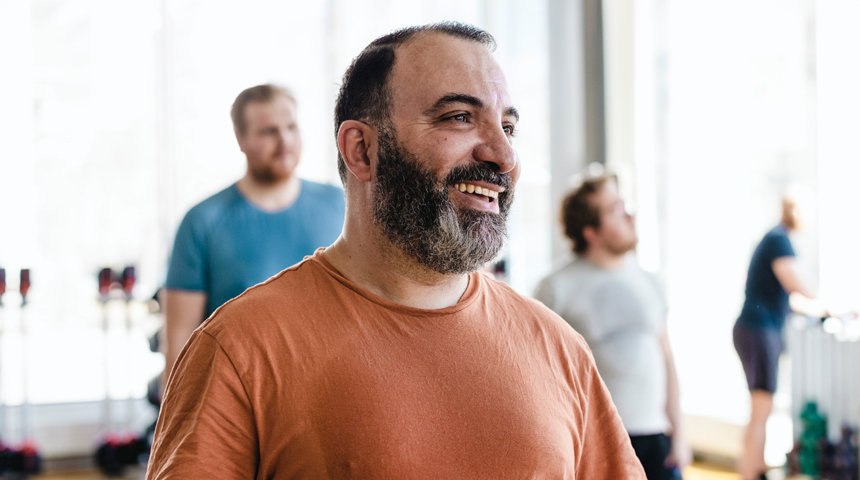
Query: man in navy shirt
x,y
771,280
267,221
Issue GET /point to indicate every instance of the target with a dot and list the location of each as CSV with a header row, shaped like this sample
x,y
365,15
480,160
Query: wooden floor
x,y
698,471
701,471
135,474
708,472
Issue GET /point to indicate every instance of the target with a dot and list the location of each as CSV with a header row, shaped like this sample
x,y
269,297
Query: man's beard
x,y
413,209
271,173
622,247
268,176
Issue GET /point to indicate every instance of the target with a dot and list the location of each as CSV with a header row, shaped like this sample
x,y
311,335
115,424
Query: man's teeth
x,y
468,187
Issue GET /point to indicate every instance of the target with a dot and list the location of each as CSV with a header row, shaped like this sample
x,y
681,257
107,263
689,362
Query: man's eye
x,y
509,129
462,117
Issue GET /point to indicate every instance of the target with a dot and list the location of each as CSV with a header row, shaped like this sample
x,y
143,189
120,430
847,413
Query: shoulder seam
x,y
238,375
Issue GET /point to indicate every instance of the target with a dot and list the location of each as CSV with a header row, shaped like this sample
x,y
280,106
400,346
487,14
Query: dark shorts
x,y
652,451
759,351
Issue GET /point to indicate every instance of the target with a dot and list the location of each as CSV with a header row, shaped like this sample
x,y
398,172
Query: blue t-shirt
x,y
766,304
225,244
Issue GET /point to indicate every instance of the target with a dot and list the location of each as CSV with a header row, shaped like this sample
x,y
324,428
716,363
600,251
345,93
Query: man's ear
x,y
357,144
590,235
240,139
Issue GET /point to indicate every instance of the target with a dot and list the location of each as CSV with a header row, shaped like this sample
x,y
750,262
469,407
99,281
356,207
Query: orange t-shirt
x,y
308,376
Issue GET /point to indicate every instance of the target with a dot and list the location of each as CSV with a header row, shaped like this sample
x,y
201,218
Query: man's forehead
x,y
605,195
433,65
277,107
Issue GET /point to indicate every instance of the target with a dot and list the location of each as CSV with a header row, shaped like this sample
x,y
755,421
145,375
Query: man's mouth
x,y
489,193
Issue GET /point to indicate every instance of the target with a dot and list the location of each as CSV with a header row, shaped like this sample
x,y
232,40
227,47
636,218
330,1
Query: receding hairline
x,y
403,36
286,95
272,99
265,93
449,97
489,45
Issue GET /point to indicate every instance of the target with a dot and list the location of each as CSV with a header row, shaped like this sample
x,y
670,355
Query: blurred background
x,y
114,120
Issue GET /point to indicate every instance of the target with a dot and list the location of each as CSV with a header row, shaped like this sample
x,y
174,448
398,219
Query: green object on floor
x,y
814,429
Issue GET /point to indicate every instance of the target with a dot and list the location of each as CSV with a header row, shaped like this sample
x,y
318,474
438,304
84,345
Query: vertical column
x,y
18,201
595,91
620,64
330,62
632,88
17,154
166,170
577,127
659,34
838,74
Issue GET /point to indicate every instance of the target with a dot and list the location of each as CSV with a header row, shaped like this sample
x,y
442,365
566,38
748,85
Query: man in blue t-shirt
x,y
267,221
757,334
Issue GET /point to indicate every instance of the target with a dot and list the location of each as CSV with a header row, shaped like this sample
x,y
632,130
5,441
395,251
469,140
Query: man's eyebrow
x,y
452,98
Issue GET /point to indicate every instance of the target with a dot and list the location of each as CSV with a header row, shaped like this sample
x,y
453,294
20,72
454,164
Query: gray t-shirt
x,y
621,314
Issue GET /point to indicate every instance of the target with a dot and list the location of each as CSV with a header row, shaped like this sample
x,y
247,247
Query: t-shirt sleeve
x,y
206,427
779,246
606,450
187,267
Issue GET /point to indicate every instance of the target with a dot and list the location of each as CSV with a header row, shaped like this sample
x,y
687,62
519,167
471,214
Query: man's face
x,y
446,169
413,208
271,142
794,214
617,231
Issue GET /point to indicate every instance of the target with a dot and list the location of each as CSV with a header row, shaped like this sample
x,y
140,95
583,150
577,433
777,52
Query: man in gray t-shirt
x,y
620,310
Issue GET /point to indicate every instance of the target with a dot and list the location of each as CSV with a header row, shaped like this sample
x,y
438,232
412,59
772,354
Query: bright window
x,y
116,121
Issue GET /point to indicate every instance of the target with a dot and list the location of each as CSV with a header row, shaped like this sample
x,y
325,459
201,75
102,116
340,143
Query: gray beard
x,y
415,214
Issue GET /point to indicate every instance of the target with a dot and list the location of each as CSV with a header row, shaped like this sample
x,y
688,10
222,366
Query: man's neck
x,y
375,264
604,258
270,197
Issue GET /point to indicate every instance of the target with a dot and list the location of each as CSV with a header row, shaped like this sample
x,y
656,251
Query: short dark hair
x,y
261,94
578,211
364,93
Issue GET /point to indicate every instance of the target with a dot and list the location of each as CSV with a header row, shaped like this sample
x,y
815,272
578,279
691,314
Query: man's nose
x,y
284,136
495,147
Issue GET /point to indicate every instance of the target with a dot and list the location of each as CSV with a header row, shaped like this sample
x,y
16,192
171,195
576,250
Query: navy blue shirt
x,y
766,303
225,244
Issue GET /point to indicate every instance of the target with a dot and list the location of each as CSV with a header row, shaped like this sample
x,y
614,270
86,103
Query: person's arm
x,y
183,313
681,454
183,299
206,427
607,453
800,298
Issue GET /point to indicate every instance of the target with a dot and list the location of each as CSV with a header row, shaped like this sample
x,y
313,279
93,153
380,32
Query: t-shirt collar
x,y
474,288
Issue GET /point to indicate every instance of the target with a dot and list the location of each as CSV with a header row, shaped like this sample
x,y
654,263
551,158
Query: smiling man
x,y
386,355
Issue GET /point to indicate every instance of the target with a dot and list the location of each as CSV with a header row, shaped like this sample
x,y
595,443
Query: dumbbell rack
x,y
825,368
